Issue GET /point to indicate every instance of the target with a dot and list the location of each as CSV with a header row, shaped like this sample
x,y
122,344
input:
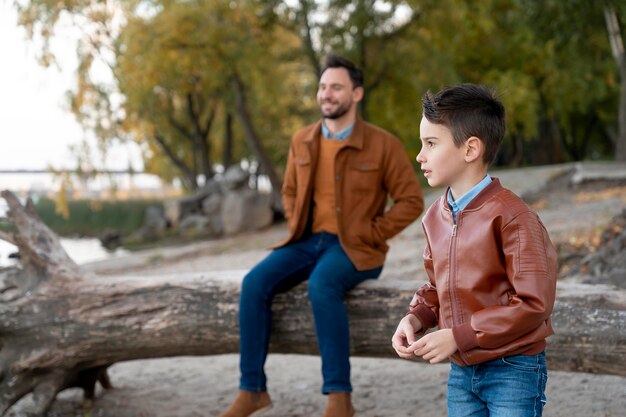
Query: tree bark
x,y
61,327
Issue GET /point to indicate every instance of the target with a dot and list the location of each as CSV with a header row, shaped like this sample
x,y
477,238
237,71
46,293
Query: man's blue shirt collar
x,y
341,135
462,202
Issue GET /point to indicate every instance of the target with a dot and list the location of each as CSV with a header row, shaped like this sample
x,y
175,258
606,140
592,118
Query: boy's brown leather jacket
x,y
371,166
492,276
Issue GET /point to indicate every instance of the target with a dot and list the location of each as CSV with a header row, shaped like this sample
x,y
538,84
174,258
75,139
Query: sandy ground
x,y
205,386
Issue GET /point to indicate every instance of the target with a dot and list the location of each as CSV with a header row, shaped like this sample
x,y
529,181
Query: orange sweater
x,y
324,211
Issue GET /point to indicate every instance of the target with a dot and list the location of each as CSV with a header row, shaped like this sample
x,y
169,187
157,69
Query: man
x,y
340,172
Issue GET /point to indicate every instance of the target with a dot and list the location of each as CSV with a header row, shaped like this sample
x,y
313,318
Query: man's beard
x,y
341,110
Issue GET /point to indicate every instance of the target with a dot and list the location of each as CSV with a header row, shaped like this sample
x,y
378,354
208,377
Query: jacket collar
x,y
355,140
487,193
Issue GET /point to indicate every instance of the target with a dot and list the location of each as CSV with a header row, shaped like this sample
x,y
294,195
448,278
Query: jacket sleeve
x,y
531,267
425,303
401,182
289,185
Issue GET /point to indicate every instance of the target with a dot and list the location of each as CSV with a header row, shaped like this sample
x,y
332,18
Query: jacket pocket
x,y
303,162
303,167
363,176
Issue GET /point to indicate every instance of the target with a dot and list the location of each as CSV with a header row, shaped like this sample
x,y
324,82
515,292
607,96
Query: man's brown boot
x,y
249,403
339,405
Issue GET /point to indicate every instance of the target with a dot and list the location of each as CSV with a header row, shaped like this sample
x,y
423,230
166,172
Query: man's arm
x,y
289,185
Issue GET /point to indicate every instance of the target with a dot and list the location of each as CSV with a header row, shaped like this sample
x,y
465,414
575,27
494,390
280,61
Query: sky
x,y
36,127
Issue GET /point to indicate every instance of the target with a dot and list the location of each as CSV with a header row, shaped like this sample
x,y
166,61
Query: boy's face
x,y
442,162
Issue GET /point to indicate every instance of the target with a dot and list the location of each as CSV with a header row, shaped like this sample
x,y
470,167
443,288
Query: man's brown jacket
x,y
371,166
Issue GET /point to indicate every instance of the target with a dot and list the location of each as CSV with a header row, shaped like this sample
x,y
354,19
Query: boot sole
x,y
261,411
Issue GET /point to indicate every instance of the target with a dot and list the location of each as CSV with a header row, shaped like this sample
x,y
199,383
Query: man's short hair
x,y
468,110
336,61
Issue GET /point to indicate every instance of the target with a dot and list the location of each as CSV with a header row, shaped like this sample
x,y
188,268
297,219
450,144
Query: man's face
x,y
335,94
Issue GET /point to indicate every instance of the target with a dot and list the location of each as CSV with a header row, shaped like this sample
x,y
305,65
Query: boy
x,y
490,264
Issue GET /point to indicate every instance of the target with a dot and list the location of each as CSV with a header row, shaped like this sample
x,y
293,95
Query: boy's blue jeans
x,y
506,387
320,259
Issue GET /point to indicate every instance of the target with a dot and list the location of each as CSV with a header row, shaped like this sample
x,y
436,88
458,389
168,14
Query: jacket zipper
x,y
452,276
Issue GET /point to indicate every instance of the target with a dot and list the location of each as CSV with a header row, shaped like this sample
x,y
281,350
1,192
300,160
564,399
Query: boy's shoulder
x,y
509,205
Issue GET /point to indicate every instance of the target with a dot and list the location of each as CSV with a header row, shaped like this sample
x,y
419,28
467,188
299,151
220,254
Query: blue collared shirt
x,y
464,200
341,135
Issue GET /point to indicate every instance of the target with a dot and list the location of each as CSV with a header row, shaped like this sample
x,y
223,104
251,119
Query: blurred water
x,y
81,250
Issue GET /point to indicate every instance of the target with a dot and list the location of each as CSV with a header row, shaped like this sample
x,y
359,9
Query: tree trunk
x,y
61,327
617,46
200,136
227,152
306,34
255,143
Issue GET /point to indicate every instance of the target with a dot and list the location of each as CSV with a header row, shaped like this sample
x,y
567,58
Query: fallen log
x,y
61,327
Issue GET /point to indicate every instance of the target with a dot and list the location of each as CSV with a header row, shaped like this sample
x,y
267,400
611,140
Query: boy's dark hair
x,y
336,61
468,110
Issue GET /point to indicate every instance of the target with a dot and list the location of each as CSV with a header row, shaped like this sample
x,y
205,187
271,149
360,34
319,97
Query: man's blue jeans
x,y
513,386
320,259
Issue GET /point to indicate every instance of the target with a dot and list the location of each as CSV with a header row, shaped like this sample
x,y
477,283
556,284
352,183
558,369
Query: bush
x,y
94,217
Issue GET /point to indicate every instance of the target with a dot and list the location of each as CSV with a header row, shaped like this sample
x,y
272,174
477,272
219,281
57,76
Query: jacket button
x,y
338,209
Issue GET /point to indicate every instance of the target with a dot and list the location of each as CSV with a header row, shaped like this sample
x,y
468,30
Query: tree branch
x,y
179,163
7,237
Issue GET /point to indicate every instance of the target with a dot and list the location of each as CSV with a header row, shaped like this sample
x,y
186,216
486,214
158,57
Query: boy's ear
x,y
473,149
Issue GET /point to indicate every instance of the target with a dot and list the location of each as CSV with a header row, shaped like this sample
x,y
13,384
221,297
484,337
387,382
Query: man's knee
x,y
324,290
252,285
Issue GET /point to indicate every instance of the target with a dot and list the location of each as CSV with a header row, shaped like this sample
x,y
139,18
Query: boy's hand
x,y
404,337
436,346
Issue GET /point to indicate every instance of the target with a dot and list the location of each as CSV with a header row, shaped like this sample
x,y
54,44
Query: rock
x,y
176,210
172,212
155,224
154,219
605,261
211,206
592,172
235,178
195,225
111,240
246,210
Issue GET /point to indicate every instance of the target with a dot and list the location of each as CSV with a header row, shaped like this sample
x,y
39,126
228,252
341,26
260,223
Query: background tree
x,y
614,30
179,69
197,81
